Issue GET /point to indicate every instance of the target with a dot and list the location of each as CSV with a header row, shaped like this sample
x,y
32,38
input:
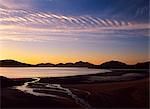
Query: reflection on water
x,y
49,87
29,90
32,72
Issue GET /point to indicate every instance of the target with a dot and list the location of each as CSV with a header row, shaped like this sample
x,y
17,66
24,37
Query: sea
x,y
33,72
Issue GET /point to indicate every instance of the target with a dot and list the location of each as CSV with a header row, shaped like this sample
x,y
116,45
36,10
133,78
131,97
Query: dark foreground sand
x,y
12,98
132,94
119,94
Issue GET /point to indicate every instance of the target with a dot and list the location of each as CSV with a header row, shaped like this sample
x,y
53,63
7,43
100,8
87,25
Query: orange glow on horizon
x,y
56,60
35,56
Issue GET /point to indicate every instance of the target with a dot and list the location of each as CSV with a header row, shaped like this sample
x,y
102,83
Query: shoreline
x,y
126,93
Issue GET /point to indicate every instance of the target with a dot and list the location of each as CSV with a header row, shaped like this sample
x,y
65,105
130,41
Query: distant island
x,y
107,65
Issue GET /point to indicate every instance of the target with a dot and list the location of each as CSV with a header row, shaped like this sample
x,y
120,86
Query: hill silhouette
x,y
13,63
76,64
145,65
113,65
45,65
106,65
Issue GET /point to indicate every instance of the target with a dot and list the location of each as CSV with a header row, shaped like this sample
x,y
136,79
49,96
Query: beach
x,y
74,54
87,92
131,94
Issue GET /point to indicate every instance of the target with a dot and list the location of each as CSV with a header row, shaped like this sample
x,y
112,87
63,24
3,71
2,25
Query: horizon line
x,y
74,62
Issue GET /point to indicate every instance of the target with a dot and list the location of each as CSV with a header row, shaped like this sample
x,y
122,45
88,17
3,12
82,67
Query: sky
x,y
35,31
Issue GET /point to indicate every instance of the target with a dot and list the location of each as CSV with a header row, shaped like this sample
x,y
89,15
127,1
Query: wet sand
x,y
124,93
129,94
12,98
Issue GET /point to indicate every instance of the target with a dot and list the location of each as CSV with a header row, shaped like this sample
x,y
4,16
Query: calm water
x,y
25,72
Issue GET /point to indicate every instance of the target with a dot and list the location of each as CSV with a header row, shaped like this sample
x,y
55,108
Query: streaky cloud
x,y
47,23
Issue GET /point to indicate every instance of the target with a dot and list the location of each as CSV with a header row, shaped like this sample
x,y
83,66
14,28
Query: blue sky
x,y
127,9
88,30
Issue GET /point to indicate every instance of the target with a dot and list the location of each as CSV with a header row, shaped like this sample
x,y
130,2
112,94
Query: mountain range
x,y
106,65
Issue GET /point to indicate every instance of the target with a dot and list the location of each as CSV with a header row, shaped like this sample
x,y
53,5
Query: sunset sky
x,y
35,31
